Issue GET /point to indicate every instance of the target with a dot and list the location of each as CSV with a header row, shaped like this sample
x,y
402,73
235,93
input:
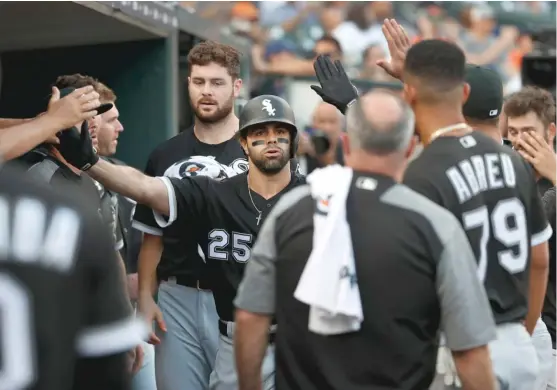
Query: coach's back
x,y
409,262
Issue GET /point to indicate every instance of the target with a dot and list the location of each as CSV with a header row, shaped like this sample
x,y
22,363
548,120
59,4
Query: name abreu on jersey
x,y
206,166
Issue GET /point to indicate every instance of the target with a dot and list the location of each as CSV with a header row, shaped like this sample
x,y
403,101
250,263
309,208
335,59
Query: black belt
x,y
223,329
188,281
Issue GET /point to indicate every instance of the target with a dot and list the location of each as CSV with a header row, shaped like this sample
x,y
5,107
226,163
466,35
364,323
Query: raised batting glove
x,y
336,88
77,148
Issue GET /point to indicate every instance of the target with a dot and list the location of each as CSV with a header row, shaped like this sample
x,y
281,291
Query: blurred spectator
x,y
481,45
286,35
320,144
369,69
362,28
265,61
294,20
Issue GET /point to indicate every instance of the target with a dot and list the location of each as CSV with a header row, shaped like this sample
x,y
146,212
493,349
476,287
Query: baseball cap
x,y
100,110
486,93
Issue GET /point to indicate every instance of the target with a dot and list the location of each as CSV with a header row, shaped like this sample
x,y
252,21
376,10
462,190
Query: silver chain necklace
x,y
254,206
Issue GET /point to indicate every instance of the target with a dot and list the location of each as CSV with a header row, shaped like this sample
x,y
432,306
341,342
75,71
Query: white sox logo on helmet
x,y
268,106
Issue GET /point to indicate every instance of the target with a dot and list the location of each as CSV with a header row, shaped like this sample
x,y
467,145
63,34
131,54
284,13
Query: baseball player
x,y
65,316
226,214
186,330
488,187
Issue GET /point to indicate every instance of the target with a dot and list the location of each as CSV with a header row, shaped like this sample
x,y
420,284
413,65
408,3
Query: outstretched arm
x,y
130,182
18,136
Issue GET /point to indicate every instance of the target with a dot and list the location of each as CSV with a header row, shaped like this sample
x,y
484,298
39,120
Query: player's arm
x,y
18,136
129,182
255,301
539,259
466,317
109,328
149,258
150,251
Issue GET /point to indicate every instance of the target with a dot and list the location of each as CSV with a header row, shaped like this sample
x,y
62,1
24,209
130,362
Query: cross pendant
x,y
258,219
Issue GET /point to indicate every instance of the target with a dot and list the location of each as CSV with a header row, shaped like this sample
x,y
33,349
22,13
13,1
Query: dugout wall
x,y
135,58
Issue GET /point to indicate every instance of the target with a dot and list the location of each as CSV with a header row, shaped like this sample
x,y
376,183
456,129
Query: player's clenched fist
x,y
79,105
151,312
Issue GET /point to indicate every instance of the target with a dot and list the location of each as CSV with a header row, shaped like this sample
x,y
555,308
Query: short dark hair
x,y
76,81
440,65
472,122
208,52
330,39
531,99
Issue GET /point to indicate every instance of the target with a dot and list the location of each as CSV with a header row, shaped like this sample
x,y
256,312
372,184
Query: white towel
x,y
328,283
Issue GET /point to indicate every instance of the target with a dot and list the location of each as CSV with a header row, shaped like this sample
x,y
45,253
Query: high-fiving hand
x,y
75,144
76,106
336,88
398,43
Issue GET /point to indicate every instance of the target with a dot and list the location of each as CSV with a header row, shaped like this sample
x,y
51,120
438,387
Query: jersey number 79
x,y
509,236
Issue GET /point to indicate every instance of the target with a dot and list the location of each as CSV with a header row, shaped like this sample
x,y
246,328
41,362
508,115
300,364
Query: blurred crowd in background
x,y
285,36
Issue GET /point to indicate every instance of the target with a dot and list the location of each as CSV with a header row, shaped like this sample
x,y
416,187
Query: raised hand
x,y
336,88
73,108
398,43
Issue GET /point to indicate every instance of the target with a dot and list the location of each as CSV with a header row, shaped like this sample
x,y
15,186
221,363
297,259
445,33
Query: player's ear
x,y
244,145
409,94
551,133
237,87
411,147
345,144
465,92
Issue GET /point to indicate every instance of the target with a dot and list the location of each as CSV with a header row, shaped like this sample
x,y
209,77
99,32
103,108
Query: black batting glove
x,y
77,148
336,88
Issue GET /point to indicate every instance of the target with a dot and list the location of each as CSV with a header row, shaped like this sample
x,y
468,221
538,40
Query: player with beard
x,y
186,313
488,187
531,129
225,215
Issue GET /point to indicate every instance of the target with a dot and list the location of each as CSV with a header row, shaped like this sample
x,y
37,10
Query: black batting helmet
x,y
267,109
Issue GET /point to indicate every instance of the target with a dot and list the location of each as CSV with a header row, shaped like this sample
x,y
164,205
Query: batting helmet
x,y
269,109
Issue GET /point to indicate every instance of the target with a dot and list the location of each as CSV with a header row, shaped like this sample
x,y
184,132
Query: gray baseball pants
x,y
224,376
544,349
514,360
187,352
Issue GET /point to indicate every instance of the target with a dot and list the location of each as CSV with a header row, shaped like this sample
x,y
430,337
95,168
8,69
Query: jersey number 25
x,y
510,236
219,241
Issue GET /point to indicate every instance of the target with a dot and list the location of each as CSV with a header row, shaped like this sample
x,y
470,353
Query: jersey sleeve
x,y
187,199
108,325
143,219
539,227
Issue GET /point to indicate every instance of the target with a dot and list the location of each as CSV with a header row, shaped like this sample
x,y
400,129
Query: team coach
x,y
362,273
